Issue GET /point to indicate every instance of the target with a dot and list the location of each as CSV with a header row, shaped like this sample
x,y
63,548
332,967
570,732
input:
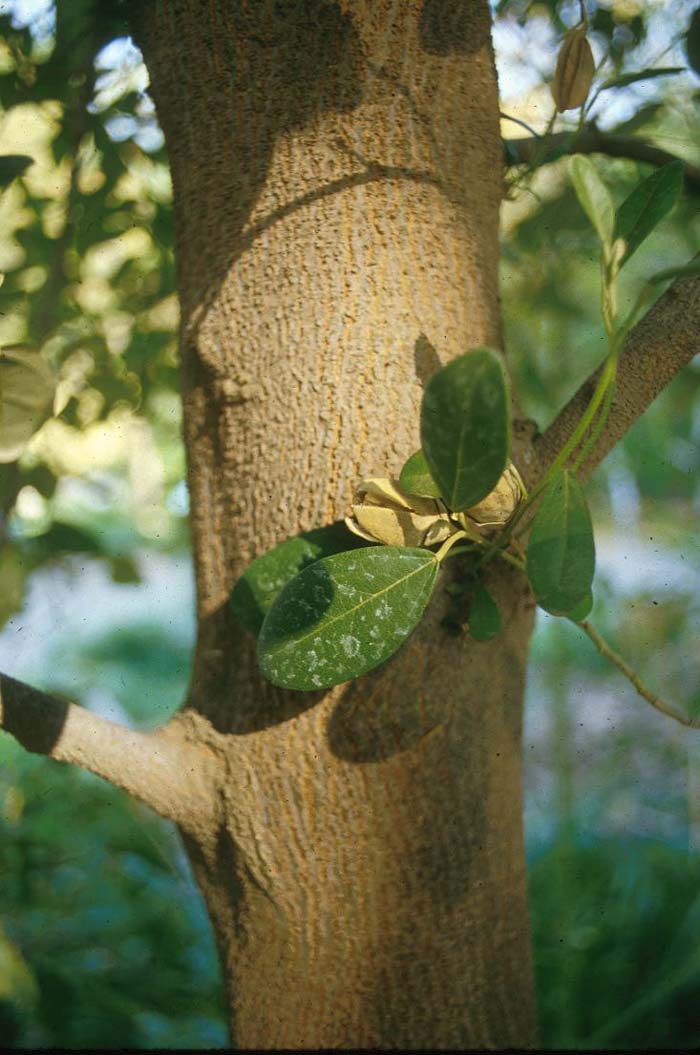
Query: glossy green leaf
x,y
593,196
647,205
641,75
415,477
484,616
12,166
253,594
465,427
26,398
344,615
582,610
561,550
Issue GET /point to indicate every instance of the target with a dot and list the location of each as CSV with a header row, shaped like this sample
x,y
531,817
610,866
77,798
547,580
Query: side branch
x,y
173,777
661,343
590,140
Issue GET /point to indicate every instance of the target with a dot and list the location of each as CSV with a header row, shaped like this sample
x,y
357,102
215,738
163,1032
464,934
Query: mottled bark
x,y
337,173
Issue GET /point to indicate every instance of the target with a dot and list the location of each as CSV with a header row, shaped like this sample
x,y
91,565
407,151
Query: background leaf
x,y
344,615
255,591
593,196
692,41
416,479
626,79
465,427
26,398
647,205
561,549
12,166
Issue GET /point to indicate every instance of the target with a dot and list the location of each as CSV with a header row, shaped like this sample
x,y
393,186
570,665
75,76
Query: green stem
x,y
448,544
660,705
504,555
597,429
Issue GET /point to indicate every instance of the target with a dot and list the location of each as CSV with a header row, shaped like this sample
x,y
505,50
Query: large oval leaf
x,y
561,550
593,196
344,615
26,398
415,477
647,205
253,594
465,427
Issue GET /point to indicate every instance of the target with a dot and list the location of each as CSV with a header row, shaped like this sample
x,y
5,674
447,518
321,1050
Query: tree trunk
x,y
337,177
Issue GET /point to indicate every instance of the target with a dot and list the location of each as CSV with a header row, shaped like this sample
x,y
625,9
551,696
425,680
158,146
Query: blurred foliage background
x,y
103,939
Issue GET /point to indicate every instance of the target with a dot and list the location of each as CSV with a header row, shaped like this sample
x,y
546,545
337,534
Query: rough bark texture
x,y
337,171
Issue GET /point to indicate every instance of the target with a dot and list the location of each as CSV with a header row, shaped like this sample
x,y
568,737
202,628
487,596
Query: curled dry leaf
x,y
574,73
498,507
383,512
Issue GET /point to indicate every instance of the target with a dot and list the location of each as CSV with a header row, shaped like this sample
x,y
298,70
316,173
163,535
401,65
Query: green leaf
x,y
465,427
484,617
344,615
561,550
593,196
12,166
415,477
641,75
647,205
26,398
582,610
253,594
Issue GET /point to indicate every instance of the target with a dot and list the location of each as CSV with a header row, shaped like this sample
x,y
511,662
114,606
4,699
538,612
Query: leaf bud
x,y
574,73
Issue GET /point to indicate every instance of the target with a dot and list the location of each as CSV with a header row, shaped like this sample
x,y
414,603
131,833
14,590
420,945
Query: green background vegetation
x,y
103,939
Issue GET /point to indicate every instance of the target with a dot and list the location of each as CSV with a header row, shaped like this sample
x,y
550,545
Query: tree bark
x,y
337,172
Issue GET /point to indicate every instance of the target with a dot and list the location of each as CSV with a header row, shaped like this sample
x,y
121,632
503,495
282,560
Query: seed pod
x,y
574,73
498,507
383,512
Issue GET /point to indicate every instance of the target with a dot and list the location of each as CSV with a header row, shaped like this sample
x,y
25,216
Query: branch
x,y
661,343
590,140
173,777
656,701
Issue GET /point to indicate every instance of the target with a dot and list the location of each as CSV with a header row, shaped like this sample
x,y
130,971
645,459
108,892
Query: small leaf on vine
x,y
561,550
465,427
344,615
484,617
593,197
